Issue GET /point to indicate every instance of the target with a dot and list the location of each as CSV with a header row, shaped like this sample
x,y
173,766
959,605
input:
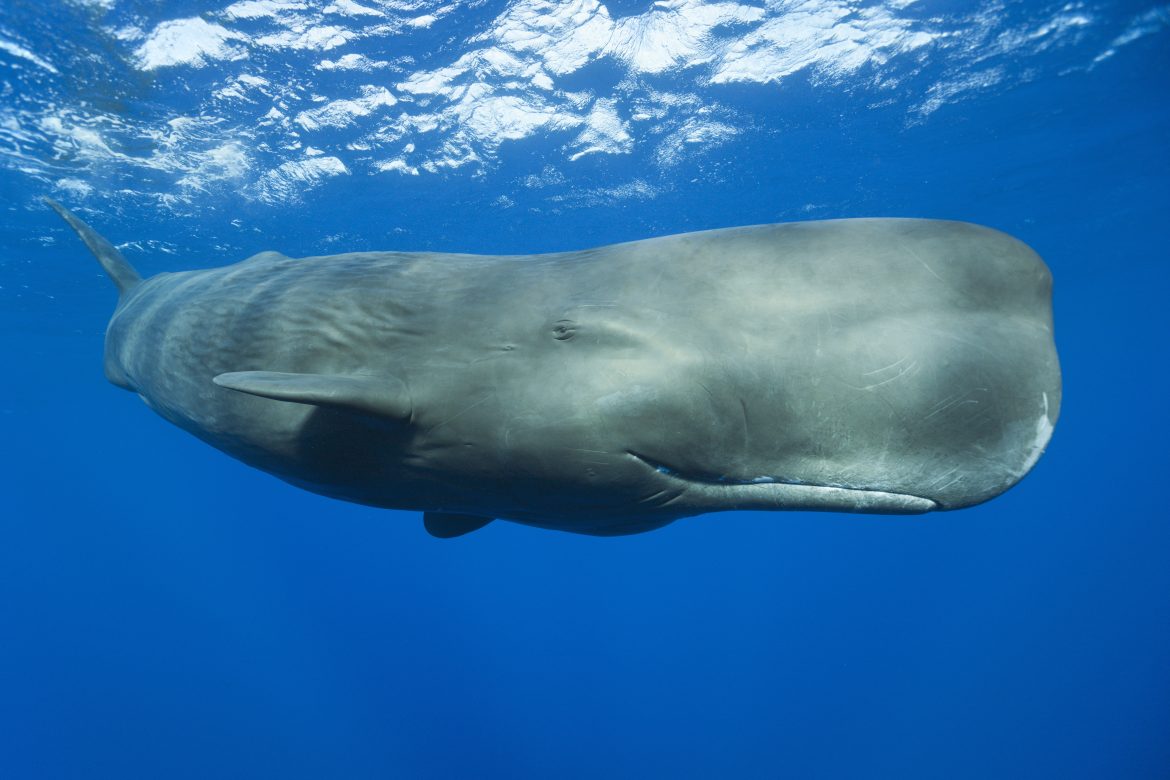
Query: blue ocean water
x,y
168,612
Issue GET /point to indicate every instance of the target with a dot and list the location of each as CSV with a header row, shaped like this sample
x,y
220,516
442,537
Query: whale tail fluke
x,y
107,254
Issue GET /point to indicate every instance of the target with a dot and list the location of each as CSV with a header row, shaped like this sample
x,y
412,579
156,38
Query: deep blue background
x,y
168,612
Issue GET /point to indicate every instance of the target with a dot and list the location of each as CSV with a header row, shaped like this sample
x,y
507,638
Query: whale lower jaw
x,y
768,492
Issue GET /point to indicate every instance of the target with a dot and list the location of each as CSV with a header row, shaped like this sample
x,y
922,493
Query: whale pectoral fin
x,y
379,396
442,525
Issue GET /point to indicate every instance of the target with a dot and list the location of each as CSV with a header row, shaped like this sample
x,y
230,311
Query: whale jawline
x,y
774,492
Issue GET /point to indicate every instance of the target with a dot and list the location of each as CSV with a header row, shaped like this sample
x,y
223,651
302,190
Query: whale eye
x,y
563,330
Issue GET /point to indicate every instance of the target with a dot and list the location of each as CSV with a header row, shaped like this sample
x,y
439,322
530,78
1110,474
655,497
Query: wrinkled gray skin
x,y
864,365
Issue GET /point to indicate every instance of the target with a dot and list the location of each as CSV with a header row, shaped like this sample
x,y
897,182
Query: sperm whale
x,y
858,365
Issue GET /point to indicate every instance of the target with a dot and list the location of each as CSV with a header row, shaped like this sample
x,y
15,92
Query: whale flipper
x,y
378,396
107,254
442,525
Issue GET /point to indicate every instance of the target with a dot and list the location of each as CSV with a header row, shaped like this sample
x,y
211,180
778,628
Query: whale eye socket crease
x,y
890,366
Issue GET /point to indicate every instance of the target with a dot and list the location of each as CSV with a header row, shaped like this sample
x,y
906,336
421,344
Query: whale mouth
x,y
777,492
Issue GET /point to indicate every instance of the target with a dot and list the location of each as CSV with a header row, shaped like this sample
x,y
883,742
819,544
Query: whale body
x,y
858,365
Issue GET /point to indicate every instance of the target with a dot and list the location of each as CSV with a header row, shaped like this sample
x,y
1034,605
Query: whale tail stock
x,y
118,268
